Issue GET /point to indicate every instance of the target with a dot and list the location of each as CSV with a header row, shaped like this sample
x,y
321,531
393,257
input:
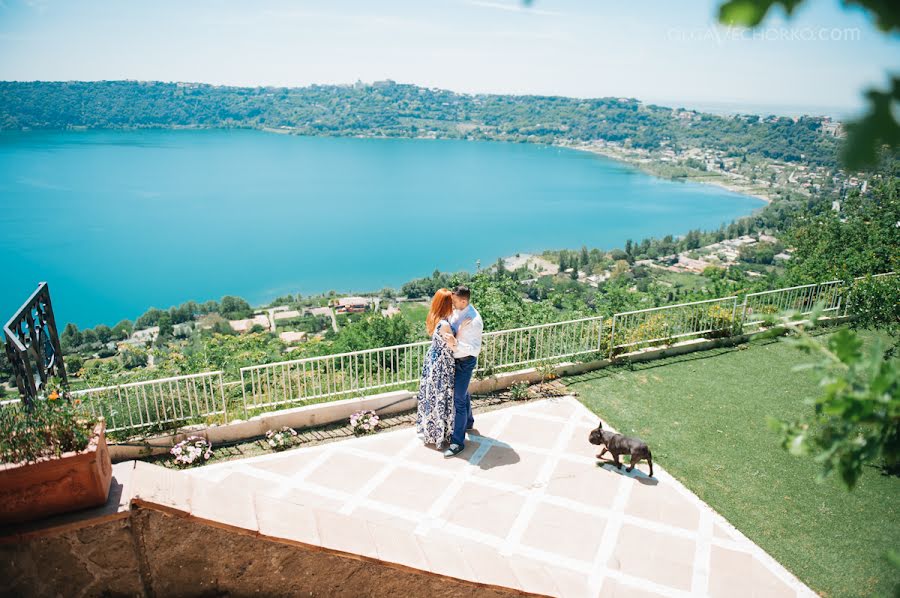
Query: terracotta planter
x,y
76,480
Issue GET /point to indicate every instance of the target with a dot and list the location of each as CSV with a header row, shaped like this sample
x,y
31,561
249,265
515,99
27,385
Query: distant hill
x,y
398,110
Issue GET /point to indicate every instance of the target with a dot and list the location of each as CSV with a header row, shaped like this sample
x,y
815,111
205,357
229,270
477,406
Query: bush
x,y
364,422
52,426
73,363
519,391
106,352
192,451
279,440
654,329
875,301
134,357
721,321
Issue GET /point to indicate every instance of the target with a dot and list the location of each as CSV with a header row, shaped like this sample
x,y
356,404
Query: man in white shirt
x,y
466,345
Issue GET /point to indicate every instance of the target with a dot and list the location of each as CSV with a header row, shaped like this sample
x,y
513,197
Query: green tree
x,y
134,357
73,364
71,338
148,318
862,239
89,337
234,308
878,126
166,328
122,330
856,420
373,331
104,333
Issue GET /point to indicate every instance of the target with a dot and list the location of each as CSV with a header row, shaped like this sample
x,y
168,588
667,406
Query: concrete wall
x,y
151,553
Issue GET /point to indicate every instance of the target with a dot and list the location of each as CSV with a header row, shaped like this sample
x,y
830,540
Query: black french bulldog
x,y
618,444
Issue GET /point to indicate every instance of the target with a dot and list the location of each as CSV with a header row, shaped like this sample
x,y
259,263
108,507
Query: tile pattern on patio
x,y
528,489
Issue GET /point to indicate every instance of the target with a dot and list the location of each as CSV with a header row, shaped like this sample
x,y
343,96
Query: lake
x,y
119,221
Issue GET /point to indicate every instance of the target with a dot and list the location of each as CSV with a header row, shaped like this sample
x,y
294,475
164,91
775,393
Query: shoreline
x,y
642,166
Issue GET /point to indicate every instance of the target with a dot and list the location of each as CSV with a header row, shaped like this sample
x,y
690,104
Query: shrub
x,y
654,329
364,422
279,440
547,371
192,451
52,426
519,391
720,320
875,302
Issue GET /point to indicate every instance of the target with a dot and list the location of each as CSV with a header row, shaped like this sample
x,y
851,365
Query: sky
x,y
664,51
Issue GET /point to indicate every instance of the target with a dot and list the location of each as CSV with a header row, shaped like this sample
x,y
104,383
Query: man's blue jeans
x,y
462,400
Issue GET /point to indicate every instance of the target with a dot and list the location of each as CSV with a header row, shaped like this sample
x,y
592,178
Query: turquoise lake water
x,y
119,221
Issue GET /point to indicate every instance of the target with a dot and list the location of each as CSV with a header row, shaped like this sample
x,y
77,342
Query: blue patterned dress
x,y
434,419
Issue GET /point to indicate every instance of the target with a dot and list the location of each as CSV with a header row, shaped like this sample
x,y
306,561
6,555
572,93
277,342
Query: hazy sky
x,y
667,51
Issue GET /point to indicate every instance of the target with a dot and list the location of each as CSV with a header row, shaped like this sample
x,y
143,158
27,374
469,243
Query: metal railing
x,y
760,307
157,404
336,376
541,343
671,323
170,402
32,345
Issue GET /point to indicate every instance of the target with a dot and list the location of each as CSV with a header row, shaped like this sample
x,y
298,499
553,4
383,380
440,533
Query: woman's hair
x,y
441,307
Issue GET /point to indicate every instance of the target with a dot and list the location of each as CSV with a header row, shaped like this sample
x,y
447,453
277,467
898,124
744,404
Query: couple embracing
x,y
444,404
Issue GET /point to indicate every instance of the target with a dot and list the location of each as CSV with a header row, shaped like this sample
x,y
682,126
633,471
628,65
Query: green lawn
x,y
415,313
704,418
690,282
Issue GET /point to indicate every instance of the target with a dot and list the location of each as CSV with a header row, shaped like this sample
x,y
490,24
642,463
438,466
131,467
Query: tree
x,y
104,333
89,337
373,331
234,308
71,338
166,328
878,126
856,419
134,357
122,330
862,239
149,318
74,363
618,255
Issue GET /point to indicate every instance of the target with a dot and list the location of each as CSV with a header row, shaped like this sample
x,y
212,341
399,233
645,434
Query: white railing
x,y
670,323
758,307
155,403
141,406
544,342
334,376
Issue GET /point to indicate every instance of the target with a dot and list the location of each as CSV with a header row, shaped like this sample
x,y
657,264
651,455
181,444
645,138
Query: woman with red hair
x,y
434,419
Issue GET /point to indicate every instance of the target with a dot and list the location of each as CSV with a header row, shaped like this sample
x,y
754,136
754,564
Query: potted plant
x,y
53,459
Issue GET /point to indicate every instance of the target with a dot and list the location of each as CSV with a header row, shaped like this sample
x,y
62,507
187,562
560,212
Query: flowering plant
x,y
279,440
191,451
364,422
53,425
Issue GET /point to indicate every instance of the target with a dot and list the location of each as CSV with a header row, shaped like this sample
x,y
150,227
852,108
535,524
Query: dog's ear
x,y
599,425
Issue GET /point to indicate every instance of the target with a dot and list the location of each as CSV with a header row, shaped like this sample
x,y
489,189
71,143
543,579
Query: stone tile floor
x,y
526,487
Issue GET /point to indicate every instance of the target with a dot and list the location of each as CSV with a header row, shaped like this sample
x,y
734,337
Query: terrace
x,y
525,509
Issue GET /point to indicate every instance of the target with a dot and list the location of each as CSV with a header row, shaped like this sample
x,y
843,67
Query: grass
x,y
415,313
690,282
704,417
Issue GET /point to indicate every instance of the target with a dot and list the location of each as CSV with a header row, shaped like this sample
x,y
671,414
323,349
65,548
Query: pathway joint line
x,y
700,579
433,519
537,492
